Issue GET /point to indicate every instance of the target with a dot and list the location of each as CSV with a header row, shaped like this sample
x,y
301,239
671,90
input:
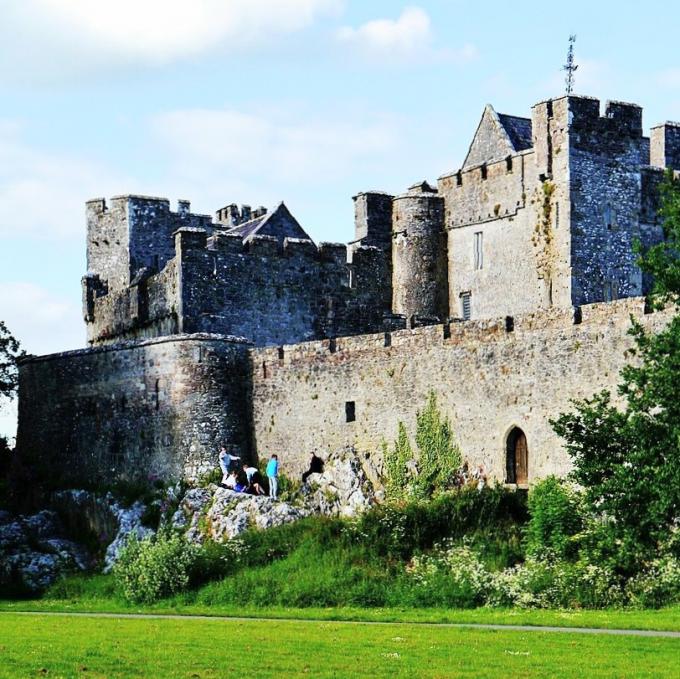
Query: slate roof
x,y
279,223
250,228
518,129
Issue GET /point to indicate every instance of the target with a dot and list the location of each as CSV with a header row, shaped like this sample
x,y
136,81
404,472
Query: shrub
x,y
438,458
399,531
658,585
548,583
555,517
153,568
450,575
396,459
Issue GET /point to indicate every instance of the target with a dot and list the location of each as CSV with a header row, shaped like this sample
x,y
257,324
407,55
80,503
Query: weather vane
x,y
570,67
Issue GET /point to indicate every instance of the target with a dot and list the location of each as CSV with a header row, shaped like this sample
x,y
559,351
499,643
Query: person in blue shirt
x,y
273,476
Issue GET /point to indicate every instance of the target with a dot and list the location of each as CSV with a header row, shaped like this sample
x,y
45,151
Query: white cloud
x,y
41,320
89,33
44,323
42,194
408,36
219,154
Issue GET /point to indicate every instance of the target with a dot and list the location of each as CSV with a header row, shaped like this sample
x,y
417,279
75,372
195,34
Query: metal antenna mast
x,y
570,67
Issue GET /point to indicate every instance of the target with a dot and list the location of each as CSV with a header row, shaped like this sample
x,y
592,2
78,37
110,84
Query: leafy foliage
x,y
153,568
396,459
663,260
10,352
434,466
555,518
628,457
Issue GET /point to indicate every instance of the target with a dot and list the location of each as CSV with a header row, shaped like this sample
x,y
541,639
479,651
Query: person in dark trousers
x,y
315,467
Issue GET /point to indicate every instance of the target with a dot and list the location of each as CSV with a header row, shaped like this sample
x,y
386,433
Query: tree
x,y
627,457
10,352
437,460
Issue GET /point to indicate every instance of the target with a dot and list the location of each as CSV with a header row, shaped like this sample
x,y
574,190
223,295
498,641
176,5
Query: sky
x,y
258,101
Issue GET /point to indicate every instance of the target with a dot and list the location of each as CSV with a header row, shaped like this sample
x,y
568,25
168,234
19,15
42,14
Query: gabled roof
x,y
498,135
279,223
518,130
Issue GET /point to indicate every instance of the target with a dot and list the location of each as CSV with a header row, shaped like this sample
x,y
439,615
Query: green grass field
x,y
41,645
667,619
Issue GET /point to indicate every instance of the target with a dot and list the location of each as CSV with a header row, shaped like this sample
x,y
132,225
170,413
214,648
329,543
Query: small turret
x,y
419,254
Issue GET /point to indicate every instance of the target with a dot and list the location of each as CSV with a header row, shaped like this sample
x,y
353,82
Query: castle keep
x,y
507,288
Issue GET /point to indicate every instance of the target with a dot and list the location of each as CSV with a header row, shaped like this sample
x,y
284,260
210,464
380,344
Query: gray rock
x,y
44,524
129,521
36,571
12,535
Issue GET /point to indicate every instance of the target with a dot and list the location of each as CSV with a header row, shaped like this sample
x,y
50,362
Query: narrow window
x,y
578,315
466,305
609,216
264,369
332,345
388,339
610,291
281,353
549,109
158,394
484,172
459,178
508,164
350,411
478,253
509,324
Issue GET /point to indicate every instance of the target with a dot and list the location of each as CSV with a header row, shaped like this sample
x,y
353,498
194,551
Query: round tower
x,y
419,254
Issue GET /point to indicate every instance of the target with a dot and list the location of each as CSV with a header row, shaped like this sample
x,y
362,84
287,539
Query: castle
x,y
507,289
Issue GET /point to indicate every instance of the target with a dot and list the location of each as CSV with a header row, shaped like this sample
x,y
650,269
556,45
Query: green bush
x,y
657,585
451,575
399,531
555,517
153,568
437,459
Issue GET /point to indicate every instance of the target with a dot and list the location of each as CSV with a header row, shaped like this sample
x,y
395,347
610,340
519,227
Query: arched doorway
x,y
517,458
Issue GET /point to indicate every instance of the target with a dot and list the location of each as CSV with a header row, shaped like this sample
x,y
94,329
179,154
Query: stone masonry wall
x,y
419,260
150,308
157,408
605,184
274,295
487,380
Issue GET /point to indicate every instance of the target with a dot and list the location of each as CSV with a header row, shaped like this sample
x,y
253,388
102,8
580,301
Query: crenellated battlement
x,y
527,327
508,288
541,216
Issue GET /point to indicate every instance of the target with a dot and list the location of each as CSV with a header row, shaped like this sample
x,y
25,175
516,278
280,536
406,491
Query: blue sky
x,y
255,101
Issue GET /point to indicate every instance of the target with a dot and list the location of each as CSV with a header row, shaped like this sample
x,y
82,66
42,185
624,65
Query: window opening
x,y
478,253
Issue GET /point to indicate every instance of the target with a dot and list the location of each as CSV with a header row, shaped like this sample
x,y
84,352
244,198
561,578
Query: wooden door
x,y
521,459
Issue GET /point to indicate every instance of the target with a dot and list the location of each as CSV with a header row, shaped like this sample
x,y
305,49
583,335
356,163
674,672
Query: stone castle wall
x,y
489,376
156,408
276,295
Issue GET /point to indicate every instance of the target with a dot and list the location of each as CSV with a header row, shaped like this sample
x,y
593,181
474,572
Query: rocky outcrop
x,y
344,488
34,552
220,514
105,518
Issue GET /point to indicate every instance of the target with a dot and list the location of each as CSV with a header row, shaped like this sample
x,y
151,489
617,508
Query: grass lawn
x,y
667,619
101,647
